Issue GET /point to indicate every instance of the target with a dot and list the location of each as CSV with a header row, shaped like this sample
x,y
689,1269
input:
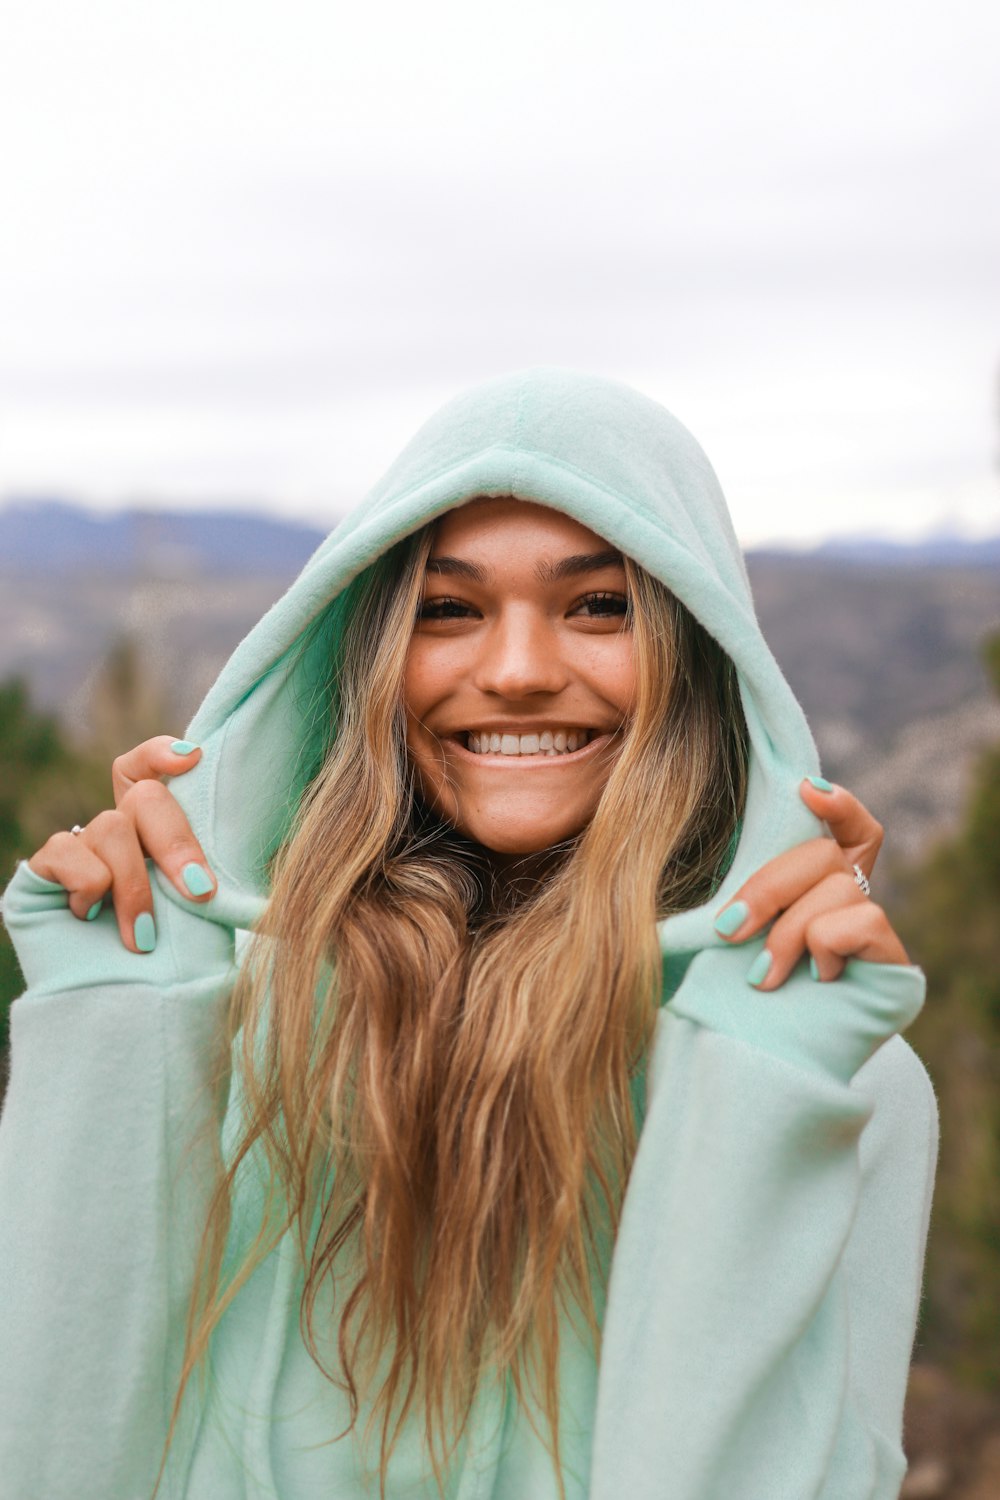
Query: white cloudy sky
x,y
246,247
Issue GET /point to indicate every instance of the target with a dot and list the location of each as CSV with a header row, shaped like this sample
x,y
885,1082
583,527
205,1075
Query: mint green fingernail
x,y
820,783
183,747
759,968
732,918
195,877
144,932
94,911
813,967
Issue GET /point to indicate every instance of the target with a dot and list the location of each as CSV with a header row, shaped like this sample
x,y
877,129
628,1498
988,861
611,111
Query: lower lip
x,y
531,762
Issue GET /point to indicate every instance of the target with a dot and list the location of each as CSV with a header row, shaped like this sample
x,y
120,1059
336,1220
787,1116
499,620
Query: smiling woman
x,y
548,1168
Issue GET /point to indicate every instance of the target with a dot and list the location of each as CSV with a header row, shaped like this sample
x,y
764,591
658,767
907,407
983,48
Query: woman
x,y
514,798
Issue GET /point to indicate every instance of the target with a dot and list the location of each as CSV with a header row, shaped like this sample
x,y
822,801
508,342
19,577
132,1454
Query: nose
x,y
520,656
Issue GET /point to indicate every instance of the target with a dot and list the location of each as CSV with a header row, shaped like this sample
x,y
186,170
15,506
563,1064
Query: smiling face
x,y
519,675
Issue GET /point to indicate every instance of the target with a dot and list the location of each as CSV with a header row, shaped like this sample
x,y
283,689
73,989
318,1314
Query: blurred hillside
x,y
878,640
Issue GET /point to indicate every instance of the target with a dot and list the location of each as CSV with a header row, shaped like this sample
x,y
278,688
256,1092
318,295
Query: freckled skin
x,y
520,651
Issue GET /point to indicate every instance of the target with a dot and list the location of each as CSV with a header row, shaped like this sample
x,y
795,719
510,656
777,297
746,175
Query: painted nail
x,y
195,877
94,911
813,967
759,968
183,747
732,918
144,932
820,783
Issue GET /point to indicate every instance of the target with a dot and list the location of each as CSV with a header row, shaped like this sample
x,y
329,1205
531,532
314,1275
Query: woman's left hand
x,y
811,897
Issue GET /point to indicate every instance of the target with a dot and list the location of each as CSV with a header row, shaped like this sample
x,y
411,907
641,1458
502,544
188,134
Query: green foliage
x,y
49,783
948,919
32,753
31,746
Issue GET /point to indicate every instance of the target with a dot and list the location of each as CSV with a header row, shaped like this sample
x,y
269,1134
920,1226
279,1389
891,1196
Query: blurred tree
x,y
948,919
129,699
32,749
49,782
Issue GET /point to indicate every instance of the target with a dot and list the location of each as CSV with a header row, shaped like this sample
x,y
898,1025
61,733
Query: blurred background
x,y
248,248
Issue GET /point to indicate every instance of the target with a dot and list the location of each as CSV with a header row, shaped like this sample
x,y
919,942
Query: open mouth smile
x,y
545,746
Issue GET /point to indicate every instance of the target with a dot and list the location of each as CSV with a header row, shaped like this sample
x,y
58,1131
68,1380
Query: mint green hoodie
x,y
766,1276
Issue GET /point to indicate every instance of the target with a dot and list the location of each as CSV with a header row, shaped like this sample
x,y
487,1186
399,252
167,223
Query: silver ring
x,y
861,880
77,829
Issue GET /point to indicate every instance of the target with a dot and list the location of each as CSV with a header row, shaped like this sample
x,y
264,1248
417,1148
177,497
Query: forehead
x,y
488,523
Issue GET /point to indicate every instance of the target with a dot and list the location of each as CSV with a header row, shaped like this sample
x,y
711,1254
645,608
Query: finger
x,y
113,837
166,837
859,834
857,932
150,760
777,885
787,941
69,861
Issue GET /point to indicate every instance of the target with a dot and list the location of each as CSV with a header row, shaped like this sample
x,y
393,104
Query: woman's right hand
x,y
109,856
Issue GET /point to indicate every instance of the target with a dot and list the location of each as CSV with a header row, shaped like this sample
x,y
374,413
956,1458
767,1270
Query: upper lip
x,y
566,726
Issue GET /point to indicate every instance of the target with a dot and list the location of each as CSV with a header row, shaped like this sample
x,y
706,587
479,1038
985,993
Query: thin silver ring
x,y
861,880
77,829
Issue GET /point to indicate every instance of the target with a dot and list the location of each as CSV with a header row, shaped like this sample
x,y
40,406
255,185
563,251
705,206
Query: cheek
x,y
612,673
432,671
420,682
626,679
412,684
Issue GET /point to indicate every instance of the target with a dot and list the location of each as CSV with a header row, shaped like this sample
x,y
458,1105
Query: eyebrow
x,y
545,572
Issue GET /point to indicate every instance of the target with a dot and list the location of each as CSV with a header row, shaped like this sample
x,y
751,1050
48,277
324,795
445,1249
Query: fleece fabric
x,y
766,1276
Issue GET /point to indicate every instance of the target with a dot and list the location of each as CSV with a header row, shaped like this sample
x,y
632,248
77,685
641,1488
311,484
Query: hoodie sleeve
x,y
108,1144
766,1278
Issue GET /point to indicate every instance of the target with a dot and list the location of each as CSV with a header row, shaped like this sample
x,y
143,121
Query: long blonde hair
x,y
439,1082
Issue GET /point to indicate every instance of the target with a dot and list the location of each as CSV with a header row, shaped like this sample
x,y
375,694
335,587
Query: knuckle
x,y
109,823
180,845
146,793
134,893
876,917
814,932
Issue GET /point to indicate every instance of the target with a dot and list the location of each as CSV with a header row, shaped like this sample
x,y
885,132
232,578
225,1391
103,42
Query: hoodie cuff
x,y
58,952
831,1028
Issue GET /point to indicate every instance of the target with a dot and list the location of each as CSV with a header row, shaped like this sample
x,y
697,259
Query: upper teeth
x,y
557,742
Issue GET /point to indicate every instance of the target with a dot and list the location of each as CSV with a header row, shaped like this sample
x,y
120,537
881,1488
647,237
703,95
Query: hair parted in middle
x,y
440,1082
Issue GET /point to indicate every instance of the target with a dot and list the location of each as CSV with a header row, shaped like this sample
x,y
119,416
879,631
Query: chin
x,y
505,837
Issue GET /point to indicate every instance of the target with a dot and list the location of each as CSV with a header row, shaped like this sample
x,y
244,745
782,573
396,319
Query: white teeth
x,y
549,742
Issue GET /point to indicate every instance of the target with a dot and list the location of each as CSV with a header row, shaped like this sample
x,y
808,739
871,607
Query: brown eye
x,y
443,609
604,605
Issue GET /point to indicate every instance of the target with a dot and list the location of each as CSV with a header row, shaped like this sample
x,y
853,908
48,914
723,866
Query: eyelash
x,y
455,609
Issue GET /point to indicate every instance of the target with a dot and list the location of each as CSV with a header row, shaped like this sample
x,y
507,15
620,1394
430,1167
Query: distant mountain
x,y
45,537
943,550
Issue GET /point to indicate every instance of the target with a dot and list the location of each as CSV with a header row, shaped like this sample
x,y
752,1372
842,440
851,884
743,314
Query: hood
x,y
606,455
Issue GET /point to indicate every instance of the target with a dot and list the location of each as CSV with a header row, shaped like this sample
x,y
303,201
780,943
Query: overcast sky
x,y
247,247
